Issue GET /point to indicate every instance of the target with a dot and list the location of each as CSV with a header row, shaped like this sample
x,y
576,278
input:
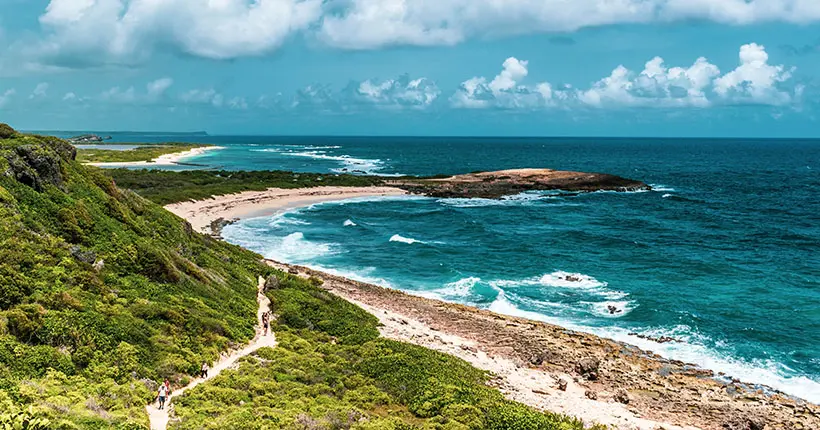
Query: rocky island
x,y
493,185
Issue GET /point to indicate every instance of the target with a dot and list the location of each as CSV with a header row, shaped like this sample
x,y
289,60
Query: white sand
x,y
251,204
162,160
159,418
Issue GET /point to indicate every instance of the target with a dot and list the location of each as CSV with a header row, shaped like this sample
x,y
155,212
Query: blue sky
x,y
413,67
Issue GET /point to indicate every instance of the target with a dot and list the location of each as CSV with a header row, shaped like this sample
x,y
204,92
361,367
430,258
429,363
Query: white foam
x,y
691,350
661,188
402,239
462,287
350,163
567,280
666,196
283,219
349,223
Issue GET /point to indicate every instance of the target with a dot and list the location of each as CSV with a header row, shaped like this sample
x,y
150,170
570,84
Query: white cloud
x,y
504,90
157,88
401,92
69,96
154,91
366,24
124,31
209,97
39,91
657,85
5,97
754,80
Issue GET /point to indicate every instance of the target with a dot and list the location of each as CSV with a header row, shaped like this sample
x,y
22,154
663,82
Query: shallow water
x,y
724,254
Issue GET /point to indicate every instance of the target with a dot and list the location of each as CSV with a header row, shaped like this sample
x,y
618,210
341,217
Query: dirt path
x,y
159,418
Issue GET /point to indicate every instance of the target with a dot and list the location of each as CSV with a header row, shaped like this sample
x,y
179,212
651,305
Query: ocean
x,y
723,255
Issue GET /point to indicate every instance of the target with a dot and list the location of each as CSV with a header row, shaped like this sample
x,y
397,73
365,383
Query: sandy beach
x,y
542,365
252,204
162,160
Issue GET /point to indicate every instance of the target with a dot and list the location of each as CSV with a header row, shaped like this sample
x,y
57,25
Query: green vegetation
x,y
332,371
103,292
141,153
164,187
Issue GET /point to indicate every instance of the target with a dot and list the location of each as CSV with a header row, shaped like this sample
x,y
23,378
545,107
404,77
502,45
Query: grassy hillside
x,y
142,153
102,291
332,371
164,187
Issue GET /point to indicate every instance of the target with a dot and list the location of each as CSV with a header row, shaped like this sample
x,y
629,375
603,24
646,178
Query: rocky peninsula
x,y
493,185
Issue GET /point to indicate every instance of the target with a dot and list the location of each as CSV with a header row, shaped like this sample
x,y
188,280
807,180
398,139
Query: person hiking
x,y
204,370
265,322
162,394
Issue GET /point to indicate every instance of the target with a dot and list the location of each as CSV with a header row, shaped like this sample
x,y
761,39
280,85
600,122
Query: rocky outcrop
x,y
493,185
35,161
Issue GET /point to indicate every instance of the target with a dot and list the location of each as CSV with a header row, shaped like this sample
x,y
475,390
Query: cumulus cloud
x,y
657,85
504,90
124,31
39,91
754,79
365,24
158,88
399,93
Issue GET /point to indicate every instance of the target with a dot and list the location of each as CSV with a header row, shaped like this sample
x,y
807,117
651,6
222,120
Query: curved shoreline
x,y
628,367
162,160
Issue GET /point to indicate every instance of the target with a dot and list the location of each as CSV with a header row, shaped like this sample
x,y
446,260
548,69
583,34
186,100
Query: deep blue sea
x,y
723,255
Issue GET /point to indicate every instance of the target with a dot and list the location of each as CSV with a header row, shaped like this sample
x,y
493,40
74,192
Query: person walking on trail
x,y
204,370
265,323
162,394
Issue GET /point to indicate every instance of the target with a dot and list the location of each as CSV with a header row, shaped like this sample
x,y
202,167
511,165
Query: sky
x,y
688,68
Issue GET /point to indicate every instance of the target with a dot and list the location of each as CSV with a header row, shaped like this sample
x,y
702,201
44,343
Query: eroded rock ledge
x,y
493,185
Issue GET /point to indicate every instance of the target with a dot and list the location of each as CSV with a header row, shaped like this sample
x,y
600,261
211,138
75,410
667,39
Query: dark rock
x,y
88,257
218,224
591,395
466,347
621,396
271,283
293,271
562,384
744,423
588,368
541,357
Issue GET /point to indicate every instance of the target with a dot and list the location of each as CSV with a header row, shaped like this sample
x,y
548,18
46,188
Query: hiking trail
x,y
159,418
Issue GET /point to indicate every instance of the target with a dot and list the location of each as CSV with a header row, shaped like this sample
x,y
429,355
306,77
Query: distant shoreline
x,y
163,160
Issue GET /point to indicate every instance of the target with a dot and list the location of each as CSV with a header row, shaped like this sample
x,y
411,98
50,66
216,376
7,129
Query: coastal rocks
x,y
271,283
88,257
562,384
588,368
744,423
660,339
539,358
218,224
621,396
591,395
494,185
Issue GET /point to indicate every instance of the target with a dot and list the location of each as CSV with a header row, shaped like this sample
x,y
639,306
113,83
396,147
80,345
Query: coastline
x,y
530,357
162,160
250,204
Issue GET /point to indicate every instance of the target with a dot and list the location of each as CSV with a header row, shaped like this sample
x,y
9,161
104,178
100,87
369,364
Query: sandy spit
x,y
162,160
250,204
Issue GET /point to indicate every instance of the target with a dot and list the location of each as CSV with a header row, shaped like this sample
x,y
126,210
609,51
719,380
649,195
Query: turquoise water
x,y
723,255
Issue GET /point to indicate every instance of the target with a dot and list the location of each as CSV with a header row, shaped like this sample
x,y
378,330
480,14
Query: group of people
x,y
164,391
